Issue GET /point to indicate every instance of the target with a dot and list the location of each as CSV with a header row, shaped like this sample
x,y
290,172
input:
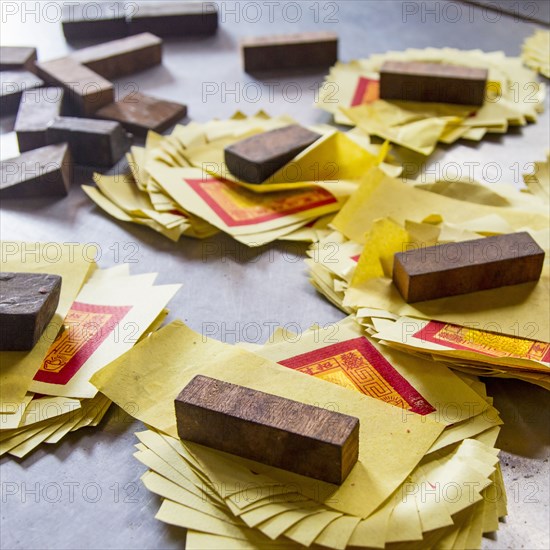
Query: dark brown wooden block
x,y
12,86
27,303
37,110
290,51
301,438
432,82
92,142
42,172
86,90
256,158
450,269
93,20
17,57
173,18
139,113
122,57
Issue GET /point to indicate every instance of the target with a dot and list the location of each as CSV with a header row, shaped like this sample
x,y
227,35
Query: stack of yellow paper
x,y
45,393
501,332
513,98
535,52
538,181
179,184
425,475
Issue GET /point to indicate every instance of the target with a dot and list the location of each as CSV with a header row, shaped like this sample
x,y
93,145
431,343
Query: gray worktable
x,y
85,492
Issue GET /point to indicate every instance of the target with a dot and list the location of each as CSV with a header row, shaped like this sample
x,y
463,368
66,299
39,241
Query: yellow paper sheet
x,y
185,354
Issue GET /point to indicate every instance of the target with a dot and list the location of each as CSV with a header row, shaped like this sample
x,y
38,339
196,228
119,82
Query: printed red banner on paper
x,y
358,365
487,343
237,206
366,91
86,327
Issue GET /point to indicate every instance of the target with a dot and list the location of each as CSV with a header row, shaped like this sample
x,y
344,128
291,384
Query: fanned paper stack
x,y
428,473
179,184
538,181
45,393
501,332
535,52
514,97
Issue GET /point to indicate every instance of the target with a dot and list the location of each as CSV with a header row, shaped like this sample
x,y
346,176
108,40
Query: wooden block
x,y
432,82
139,113
42,172
17,58
12,86
290,51
37,110
174,18
87,91
122,57
459,268
92,142
27,304
256,158
301,438
93,20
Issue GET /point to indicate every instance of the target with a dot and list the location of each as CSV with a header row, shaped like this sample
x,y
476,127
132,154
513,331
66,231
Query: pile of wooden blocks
x,y
66,108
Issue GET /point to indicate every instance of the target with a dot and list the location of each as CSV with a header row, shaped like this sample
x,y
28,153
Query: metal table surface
x,y
85,492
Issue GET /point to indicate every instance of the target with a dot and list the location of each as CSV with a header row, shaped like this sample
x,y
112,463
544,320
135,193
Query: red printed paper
x,y
481,341
367,91
86,328
237,206
358,365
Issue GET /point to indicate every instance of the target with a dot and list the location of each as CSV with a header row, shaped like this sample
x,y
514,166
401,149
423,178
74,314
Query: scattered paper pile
x,y
428,470
538,181
501,332
45,393
535,52
514,97
179,184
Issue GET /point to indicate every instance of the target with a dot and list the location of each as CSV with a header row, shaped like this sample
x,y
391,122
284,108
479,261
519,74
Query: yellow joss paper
x,y
418,135
384,240
467,343
162,365
535,52
116,212
106,320
380,196
237,211
538,181
74,263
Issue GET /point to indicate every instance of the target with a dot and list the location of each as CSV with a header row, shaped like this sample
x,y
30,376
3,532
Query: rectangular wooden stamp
x,y
428,273
294,436
27,304
86,90
256,158
432,82
173,18
12,86
92,142
289,51
38,108
14,58
93,20
122,57
139,113
42,172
